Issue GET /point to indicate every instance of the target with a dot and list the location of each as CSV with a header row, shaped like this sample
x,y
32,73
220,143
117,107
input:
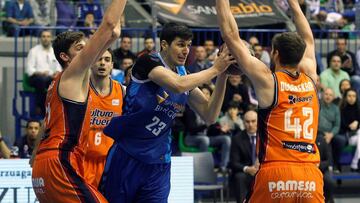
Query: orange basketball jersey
x,y
103,108
288,129
66,122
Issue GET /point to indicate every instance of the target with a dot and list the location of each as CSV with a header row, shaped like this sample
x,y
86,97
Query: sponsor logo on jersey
x,y
294,99
38,185
162,98
299,146
294,189
303,87
115,102
100,117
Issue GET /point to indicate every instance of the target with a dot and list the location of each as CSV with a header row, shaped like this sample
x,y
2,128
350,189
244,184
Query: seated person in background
x,y
89,6
332,76
197,133
348,61
350,118
124,51
236,90
4,149
149,46
325,161
41,67
200,62
260,53
243,161
89,23
44,12
119,74
209,47
231,119
344,85
25,145
329,125
18,13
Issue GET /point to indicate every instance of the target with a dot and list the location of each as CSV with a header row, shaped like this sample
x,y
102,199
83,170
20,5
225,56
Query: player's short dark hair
x,y
63,42
111,53
172,30
32,121
291,48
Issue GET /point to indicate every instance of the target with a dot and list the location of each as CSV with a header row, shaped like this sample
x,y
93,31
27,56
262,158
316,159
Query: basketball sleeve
x,y
144,65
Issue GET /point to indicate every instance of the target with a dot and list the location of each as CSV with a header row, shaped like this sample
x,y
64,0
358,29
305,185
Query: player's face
x,y
351,97
33,130
75,48
103,67
178,51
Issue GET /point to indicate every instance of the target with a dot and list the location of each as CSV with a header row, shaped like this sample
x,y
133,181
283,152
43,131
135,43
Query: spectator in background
x,y
236,91
260,53
18,13
332,76
348,60
41,67
197,133
200,62
127,74
67,17
243,160
4,149
89,23
325,161
209,47
344,85
231,119
149,46
119,74
123,51
89,6
329,125
44,12
350,119
25,144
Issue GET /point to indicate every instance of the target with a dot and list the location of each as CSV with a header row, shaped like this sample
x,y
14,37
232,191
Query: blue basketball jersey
x,y
144,129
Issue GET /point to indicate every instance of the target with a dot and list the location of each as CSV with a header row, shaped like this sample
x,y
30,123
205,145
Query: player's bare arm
x,y
209,110
179,84
308,63
76,74
257,71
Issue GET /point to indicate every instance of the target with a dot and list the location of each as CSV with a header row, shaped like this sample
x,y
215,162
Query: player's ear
x,y
164,45
64,57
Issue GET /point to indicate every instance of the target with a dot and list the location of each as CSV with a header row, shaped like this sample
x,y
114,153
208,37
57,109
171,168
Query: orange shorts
x,y
57,177
93,170
284,182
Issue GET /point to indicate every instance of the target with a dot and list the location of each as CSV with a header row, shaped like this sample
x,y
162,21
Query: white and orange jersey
x,y
102,109
288,129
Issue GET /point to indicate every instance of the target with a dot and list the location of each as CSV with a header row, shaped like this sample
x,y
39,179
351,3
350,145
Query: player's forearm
x,y
191,81
216,100
301,23
226,20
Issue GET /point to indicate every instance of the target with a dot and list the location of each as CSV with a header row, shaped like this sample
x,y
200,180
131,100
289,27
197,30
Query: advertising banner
x,y
202,13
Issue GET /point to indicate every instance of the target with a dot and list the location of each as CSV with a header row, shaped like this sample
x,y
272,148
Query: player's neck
x,y
167,60
101,84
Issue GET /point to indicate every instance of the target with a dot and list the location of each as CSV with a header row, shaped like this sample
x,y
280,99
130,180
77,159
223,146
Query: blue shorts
x,y
127,180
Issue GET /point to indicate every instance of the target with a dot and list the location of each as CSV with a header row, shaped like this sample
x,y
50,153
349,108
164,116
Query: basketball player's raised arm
x,y
179,84
251,66
107,32
308,63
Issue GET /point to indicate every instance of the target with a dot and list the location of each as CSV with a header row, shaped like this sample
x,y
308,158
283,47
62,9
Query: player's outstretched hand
x,y
233,69
224,59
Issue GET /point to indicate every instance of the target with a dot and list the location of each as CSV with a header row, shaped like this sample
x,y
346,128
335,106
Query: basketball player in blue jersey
x,y
138,164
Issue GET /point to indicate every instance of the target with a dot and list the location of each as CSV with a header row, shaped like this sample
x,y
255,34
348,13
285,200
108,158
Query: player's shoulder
x,y
150,57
